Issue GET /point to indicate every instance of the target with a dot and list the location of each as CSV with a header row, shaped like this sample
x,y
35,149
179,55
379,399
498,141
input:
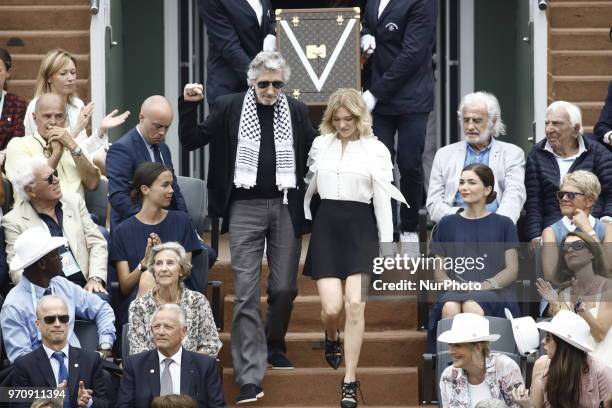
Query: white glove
x,y
368,44
370,100
269,43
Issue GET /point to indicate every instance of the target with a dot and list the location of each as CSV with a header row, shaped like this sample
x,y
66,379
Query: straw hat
x,y
32,245
468,328
570,327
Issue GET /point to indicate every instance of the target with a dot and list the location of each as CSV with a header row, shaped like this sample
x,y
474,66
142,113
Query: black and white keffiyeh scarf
x,y
249,138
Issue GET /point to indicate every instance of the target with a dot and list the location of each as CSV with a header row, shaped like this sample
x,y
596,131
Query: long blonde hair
x,y
53,62
351,100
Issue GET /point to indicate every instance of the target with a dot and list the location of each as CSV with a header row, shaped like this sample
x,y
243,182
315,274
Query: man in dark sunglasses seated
x,y
43,203
55,363
259,142
37,253
563,151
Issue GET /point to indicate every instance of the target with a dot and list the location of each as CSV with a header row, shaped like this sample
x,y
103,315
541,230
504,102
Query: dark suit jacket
x,y
604,124
220,129
11,119
400,73
199,379
34,370
122,159
235,37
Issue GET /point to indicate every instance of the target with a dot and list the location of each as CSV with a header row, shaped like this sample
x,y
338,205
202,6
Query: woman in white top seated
x,y
351,170
58,74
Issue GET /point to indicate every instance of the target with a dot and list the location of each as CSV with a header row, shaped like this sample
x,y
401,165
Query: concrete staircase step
x,y
580,88
311,387
590,113
39,42
393,348
26,66
25,88
580,39
579,14
379,315
45,17
581,62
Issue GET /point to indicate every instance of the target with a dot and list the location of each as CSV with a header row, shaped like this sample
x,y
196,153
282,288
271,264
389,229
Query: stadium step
x,y
583,63
580,88
44,17
30,63
580,14
39,42
580,39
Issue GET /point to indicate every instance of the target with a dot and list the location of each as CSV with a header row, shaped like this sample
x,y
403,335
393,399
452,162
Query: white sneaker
x,y
409,237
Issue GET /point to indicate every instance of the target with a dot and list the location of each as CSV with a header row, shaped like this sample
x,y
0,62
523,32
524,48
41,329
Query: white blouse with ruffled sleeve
x,y
363,173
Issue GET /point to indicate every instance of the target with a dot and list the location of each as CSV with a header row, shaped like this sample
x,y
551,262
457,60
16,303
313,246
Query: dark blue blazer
x,y
400,72
234,38
34,370
122,159
199,379
542,183
604,124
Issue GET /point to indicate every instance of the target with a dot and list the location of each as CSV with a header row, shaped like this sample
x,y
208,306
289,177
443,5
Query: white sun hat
x,y
468,328
33,244
526,334
570,327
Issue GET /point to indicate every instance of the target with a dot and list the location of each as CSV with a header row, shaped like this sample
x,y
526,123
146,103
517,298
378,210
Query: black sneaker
x,y
279,361
333,351
349,394
249,393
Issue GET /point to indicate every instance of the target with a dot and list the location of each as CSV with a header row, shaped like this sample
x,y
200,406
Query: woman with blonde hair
x,y
58,74
351,170
170,267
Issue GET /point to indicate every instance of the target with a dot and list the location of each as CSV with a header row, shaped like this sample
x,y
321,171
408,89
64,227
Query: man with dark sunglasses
x,y
65,215
57,364
37,253
259,142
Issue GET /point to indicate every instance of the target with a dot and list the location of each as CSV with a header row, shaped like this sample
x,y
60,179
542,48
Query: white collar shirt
x,y
565,163
258,8
175,369
54,363
381,7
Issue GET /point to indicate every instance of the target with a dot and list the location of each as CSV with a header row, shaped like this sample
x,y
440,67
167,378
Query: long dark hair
x,y
485,174
5,57
145,175
600,266
564,378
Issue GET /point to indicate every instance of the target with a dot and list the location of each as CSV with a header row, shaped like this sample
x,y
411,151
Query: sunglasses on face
x,y
50,178
275,84
569,194
575,245
51,319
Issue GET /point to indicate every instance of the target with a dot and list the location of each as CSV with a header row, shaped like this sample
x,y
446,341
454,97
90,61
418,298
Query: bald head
x,y
50,110
50,302
52,319
155,119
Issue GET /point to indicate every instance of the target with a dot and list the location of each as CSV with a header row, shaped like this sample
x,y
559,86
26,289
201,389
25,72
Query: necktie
x,y
166,379
157,154
47,292
62,374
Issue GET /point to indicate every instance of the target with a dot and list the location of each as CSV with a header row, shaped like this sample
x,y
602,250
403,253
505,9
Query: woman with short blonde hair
x,y
352,101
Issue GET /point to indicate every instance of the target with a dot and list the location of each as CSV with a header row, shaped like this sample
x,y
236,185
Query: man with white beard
x,y
480,118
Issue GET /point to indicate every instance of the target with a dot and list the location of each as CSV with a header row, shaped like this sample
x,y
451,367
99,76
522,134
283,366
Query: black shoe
x,y
349,394
333,351
279,361
249,393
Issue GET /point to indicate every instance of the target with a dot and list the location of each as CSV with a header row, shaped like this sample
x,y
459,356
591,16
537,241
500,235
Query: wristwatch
x,y
77,152
105,346
141,267
97,279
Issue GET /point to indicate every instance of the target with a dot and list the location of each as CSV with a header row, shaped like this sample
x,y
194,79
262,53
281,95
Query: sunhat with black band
x,y
468,328
569,327
33,244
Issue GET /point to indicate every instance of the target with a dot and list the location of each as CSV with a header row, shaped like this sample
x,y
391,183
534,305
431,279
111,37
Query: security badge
x,y
69,263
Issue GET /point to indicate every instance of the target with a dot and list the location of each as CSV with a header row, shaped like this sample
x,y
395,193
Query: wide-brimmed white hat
x,y
570,327
526,334
32,245
468,328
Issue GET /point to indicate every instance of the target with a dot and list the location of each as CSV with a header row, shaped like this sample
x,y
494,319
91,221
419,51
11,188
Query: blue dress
x,y
489,238
129,242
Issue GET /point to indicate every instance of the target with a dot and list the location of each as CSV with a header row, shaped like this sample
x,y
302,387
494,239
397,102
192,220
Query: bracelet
x,y
76,152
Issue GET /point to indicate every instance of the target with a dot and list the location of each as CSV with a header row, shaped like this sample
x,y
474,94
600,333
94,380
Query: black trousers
x,y
411,130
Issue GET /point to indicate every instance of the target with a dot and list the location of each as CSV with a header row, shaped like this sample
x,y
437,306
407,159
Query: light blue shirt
x,y
18,315
481,157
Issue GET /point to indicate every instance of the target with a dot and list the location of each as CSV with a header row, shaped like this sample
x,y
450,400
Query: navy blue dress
x,y
488,237
130,241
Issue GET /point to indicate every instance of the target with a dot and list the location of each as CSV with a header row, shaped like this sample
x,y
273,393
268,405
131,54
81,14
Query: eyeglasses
x,y
51,319
275,84
50,179
570,195
575,245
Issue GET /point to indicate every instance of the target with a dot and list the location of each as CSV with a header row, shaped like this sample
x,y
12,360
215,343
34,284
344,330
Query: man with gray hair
x,y
563,151
54,142
259,142
480,118
65,215
170,369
